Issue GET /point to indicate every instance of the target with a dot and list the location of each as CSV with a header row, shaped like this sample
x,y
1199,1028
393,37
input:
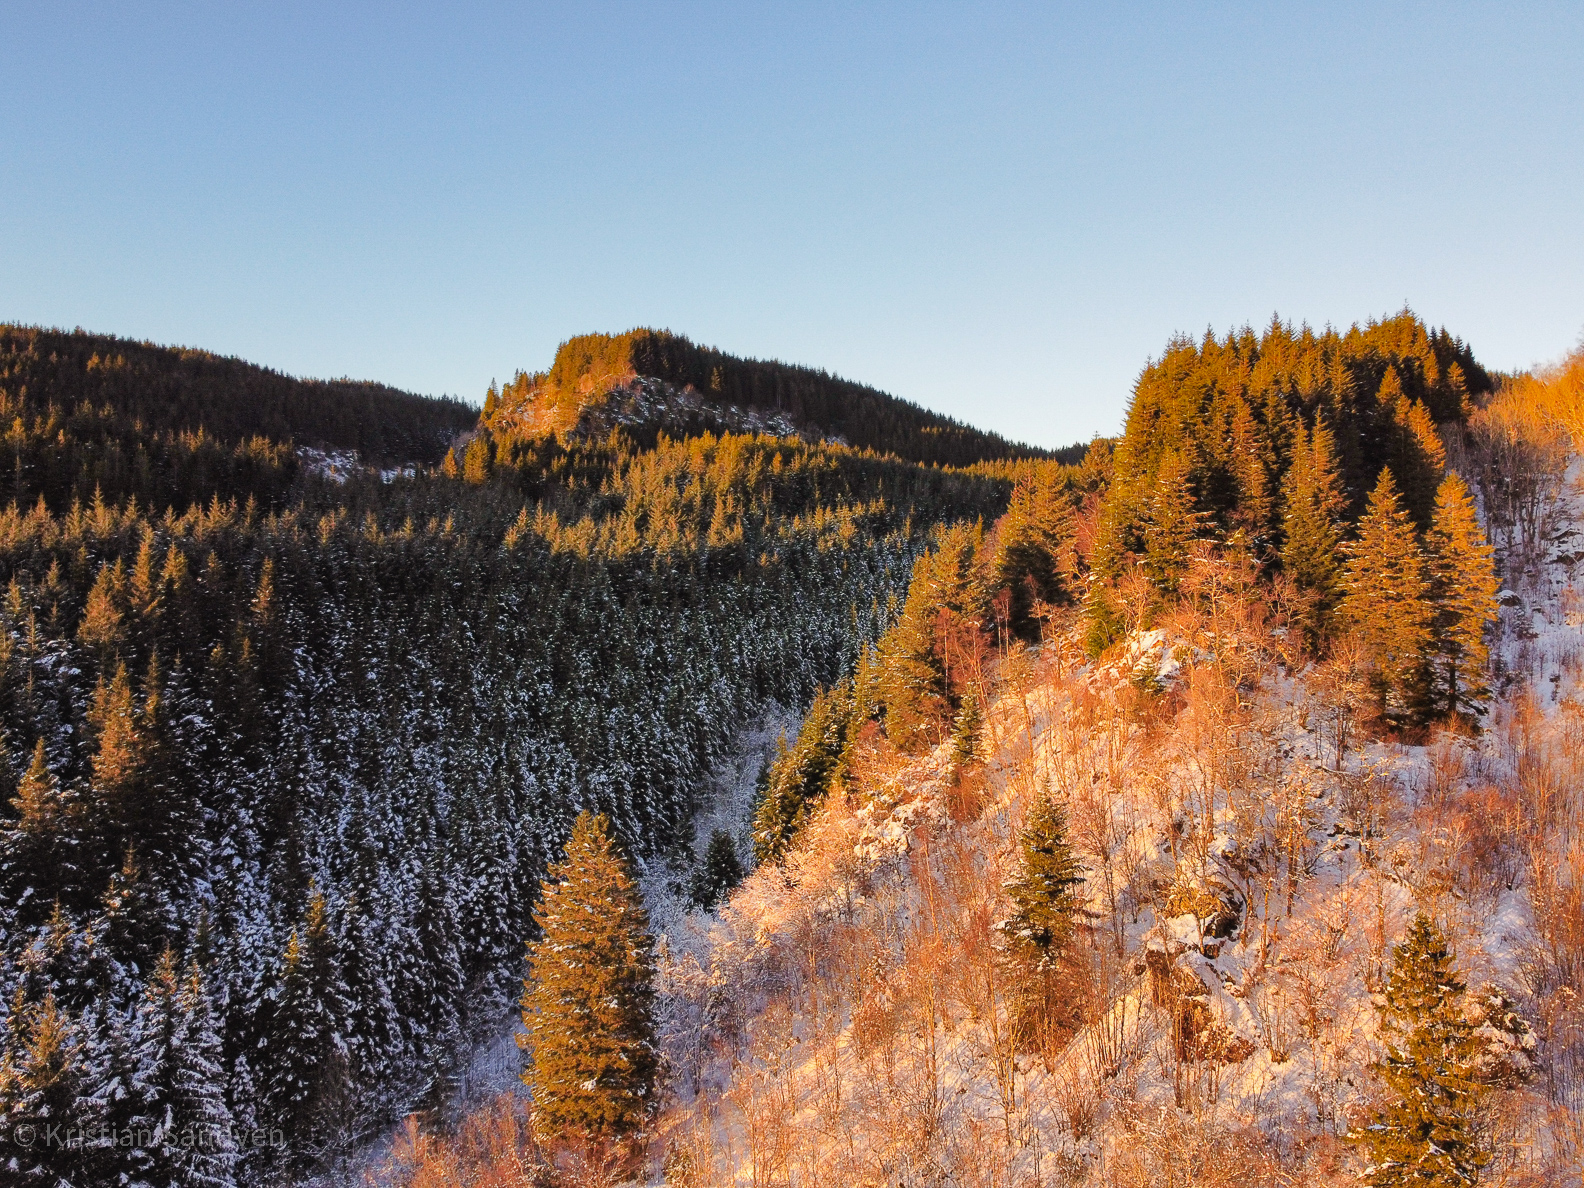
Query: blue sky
x,y
998,211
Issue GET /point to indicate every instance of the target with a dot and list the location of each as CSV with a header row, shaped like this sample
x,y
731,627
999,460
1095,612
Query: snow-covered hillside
x,y
1253,852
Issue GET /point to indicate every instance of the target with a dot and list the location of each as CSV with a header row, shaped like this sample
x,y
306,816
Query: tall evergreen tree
x,y
38,858
1463,586
303,1057
968,731
588,1002
42,1085
180,1083
1170,524
1033,543
1429,1134
1312,529
1386,601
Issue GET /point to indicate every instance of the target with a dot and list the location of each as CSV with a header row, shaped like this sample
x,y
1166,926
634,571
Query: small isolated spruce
x,y
1045,903
1429,1134
588,1002
968,731
722,870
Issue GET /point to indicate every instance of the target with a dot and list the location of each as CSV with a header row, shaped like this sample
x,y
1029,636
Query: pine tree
x,y
1045,897
180,1083
1429,1135
588,1002
1463,588
476,461
101,627
1252,462
1312,529
1419,459
200,1084
912,683
1033,541
1386,600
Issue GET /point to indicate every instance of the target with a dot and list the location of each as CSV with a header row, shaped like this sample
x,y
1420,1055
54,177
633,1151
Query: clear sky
x,y
998,211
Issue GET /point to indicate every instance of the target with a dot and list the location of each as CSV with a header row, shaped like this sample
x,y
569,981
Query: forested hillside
x,y
599,379
1209,818
285,759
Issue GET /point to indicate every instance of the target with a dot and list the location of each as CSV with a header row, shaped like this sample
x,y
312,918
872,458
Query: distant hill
x,y
177,390
653,380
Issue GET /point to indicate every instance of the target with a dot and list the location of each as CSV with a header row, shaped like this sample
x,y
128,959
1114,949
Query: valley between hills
x,y
794,786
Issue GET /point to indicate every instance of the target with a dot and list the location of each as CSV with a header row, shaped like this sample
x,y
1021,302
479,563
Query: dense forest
x,y
300,766
286,758
588,369
1201,819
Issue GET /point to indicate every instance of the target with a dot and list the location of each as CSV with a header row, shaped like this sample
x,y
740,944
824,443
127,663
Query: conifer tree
x,y
180,1084
722,870
1463,588
1386,600
803,773
1170,524
1428,1135
37,862
476,461
1312,528
968,731
101,627
303,1055
1032,541
912,683
1419,459
588,1002
42,1085
1045,898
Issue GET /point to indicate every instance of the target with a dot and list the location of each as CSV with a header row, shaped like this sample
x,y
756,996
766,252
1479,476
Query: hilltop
x,y
652,381
95,412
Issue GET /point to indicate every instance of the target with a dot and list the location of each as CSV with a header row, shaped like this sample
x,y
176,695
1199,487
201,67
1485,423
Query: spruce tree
x,y
1312,529
1170,524
303,1057
1429,1134
722,870
1463,588
1032,543
180,1082
37,855
912,683
42,1084
968,731
476,461
1386,601
588,1002
1045,898
803,773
